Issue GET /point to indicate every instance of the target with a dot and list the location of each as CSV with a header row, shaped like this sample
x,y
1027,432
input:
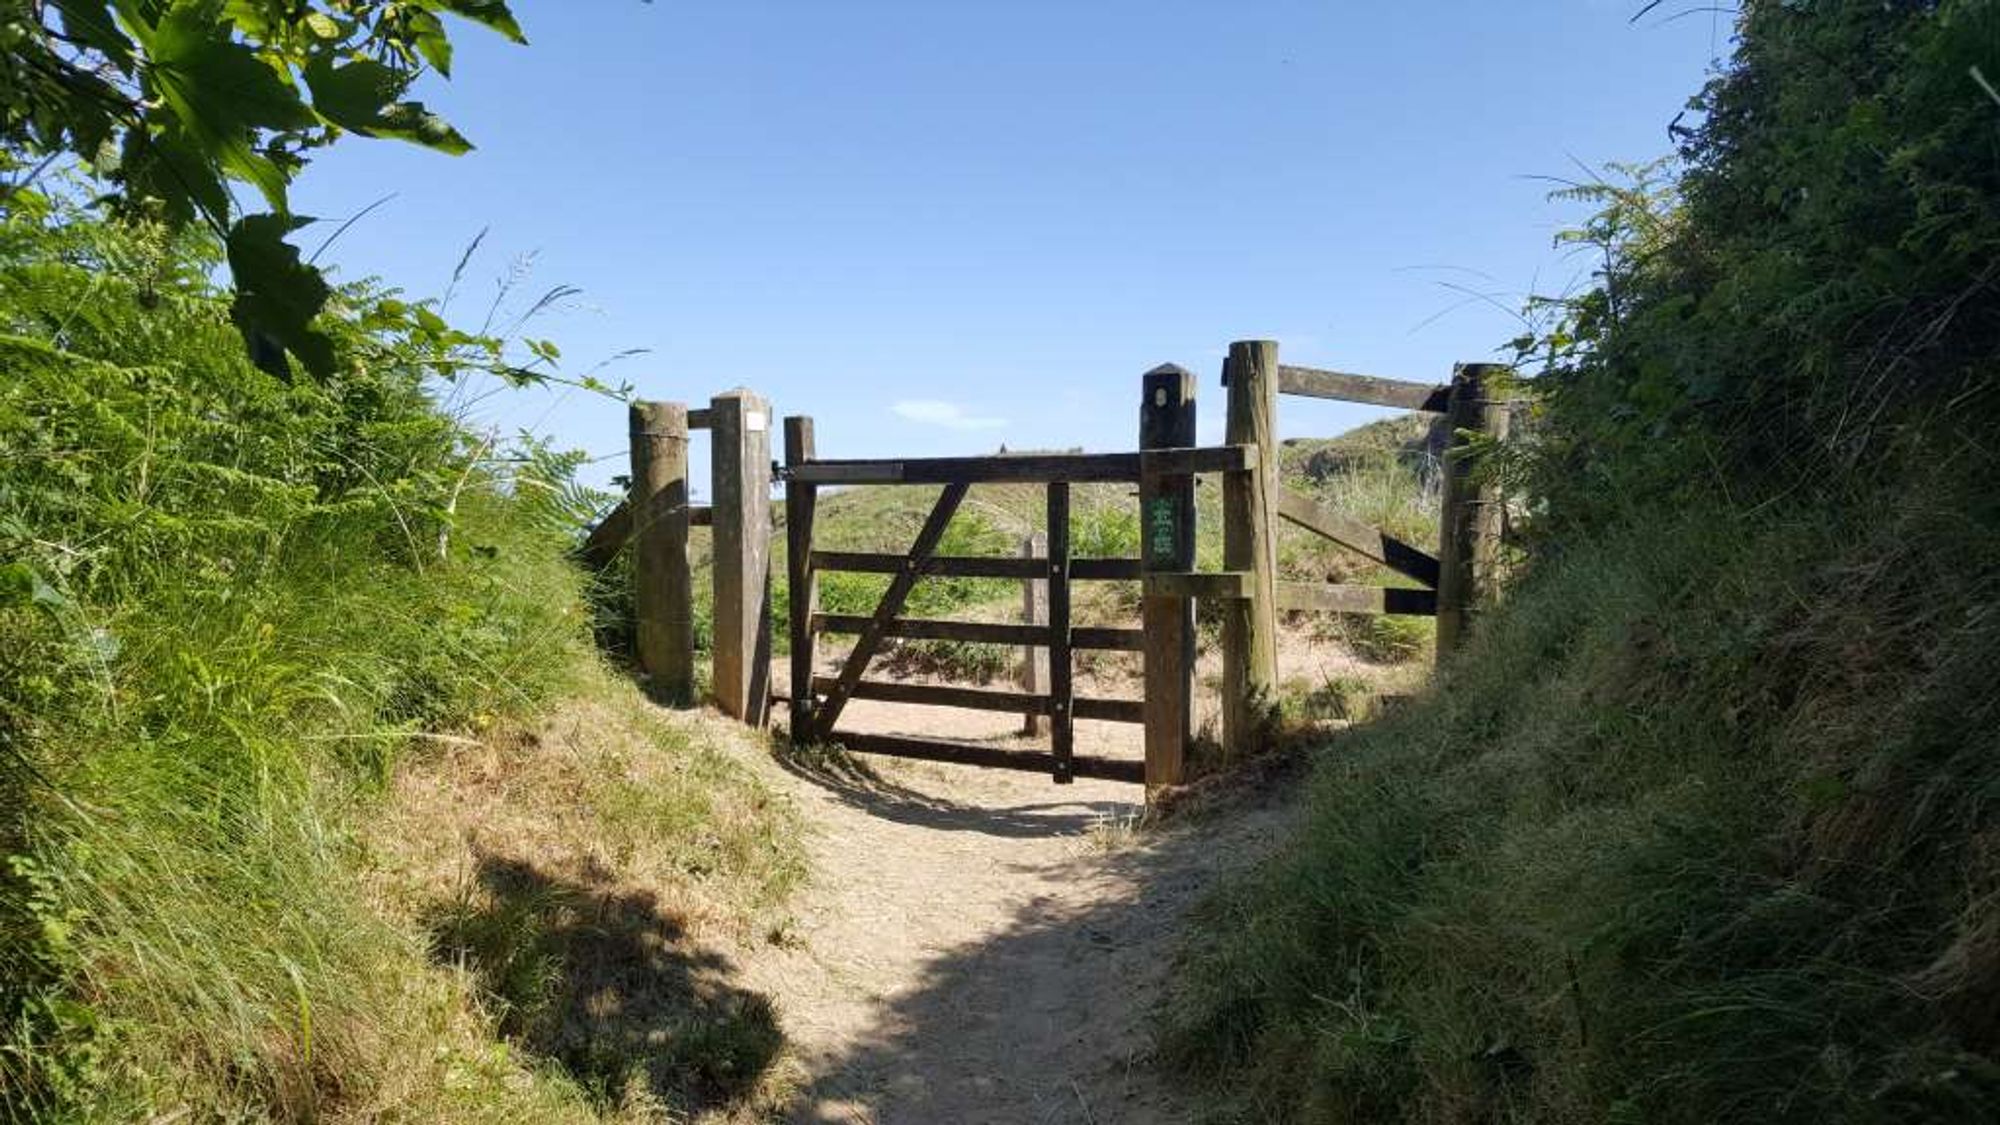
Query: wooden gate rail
x,y
817,701
1370,542
1034,468
1311,382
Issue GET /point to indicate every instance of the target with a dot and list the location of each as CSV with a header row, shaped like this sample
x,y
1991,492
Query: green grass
x,y
235,614
1686,835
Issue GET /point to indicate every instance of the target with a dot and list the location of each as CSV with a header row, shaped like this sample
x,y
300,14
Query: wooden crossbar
x,y
1327,598
1359,537
609,536
928,629
935,750
1023,567
1036,468
828,712
986,699
1105,570
1094,638
1314,382
942,566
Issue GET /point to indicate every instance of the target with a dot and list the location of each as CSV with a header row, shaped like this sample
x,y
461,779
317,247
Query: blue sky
x,y
942,226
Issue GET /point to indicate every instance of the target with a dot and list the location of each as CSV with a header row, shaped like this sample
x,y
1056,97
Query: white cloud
x,y
950,415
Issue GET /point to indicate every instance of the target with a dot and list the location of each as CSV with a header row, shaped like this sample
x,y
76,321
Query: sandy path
x,y
984,945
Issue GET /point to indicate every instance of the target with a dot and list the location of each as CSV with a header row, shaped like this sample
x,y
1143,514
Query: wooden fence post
x,y
1249,544
1034,611
802,581
1470,520
740,478
1062,659
1166,528
663,587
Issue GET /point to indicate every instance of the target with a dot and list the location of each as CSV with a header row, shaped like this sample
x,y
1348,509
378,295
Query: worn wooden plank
x,y
933,750
929,629
941,566
1469,522
1062,668
1035,611
1250,545
663,585
1167,544
607,538
1037,468
943,695
1099,638
1359,537
1096,638
1225,584
701,515
1110,710
1313,382
801,506
1105,570
1328,598
891,604
740,480
701,419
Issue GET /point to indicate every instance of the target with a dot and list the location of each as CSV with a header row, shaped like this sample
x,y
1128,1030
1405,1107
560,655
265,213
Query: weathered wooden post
x,y
1166,518
663,586
1034,611
1062,662
802,580
740,479
1250,545
1469,524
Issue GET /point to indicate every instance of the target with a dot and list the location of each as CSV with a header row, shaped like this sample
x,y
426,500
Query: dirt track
x,y
984,945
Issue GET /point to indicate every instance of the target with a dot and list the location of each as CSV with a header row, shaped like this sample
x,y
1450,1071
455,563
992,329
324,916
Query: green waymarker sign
x,y
1162,528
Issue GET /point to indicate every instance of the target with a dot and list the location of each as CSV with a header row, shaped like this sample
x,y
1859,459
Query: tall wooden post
x,y
740,478
1034,611
1250,544
663,586
1166,517
1062,666
1469,524
801,500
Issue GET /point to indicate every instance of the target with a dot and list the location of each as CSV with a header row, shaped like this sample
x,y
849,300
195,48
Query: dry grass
x,y
594,878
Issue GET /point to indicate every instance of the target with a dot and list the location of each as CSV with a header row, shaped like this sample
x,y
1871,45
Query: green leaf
x,y
23,585
277,296
491,13
427,31
221,92
90,23
360,96
166,167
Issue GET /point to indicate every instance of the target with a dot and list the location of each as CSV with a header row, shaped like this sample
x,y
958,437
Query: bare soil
x,y
982,945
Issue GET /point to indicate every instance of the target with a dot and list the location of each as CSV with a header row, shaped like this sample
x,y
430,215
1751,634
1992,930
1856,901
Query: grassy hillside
x,y
1700,827
247,625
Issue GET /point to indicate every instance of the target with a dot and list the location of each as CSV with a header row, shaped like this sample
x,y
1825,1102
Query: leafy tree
x,y
169,102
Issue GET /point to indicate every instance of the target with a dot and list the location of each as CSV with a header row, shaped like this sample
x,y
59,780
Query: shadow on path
x,y
600,979
859,785
1048,1019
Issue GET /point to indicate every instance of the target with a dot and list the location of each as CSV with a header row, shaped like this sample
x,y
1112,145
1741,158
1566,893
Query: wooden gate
x,y
1451,582
1164,469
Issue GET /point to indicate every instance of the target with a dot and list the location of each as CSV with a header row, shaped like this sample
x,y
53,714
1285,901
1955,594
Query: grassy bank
x,y
1700,827
239,614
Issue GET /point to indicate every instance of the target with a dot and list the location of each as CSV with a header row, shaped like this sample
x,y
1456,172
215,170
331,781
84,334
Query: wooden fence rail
x,y
656,516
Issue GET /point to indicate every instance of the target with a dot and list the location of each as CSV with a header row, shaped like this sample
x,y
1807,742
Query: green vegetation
x,y
237,614
1700,827
165,102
